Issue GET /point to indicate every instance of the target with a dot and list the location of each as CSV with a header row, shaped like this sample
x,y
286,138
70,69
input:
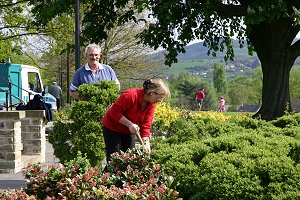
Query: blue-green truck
x,y
19,83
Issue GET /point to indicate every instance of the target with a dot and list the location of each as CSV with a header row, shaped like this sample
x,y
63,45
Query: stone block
x,y
35,128
11,155
7,132
24,128
11,147
12,115
2,124
26,136
32,142
37,121
36,150
35,114
25,121
13,124
10,164
36,135
17,131
6,140
10,171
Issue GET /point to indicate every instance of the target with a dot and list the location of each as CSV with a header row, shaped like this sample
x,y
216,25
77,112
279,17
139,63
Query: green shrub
x,y
293,131
249,164
181,130
184,159
209,127
287,121
83,131
159,128
104,92
250,123
85,111
89,139
62,141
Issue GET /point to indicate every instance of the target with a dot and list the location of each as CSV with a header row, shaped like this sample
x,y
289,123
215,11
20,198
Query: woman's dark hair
x,y
157,86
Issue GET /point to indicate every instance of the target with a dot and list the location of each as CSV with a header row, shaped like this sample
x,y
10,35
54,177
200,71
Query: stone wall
x,y
22,139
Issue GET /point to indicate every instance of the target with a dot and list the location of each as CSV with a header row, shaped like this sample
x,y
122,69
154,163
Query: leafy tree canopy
x,y
269,27
173,24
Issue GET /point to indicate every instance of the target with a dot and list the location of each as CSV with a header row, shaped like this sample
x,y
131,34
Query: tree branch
x,y
7,27
12,4
229,10
20,35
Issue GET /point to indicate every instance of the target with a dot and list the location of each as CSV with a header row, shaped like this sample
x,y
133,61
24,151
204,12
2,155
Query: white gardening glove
x,y
147,146
133,128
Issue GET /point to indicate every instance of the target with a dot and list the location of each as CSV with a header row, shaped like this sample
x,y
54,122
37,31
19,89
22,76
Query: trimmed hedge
x,y
242,159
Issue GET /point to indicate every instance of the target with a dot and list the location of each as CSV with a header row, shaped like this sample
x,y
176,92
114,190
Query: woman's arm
x,y
133,128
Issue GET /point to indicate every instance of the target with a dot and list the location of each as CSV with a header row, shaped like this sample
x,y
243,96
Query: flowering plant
x,y
130,175
135,175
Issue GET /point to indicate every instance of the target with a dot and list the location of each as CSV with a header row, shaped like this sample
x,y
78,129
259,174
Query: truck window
x,y
34,82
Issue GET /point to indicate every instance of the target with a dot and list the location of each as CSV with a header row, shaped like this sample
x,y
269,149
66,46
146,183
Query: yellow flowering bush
x,y
211,114
166,113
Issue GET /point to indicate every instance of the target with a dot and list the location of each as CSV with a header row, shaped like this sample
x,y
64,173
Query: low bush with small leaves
x,y
287,121
250,159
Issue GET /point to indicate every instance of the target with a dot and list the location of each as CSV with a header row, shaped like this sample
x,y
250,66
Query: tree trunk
x,y
272,43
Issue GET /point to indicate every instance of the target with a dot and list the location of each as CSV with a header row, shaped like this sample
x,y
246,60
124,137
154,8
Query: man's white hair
x,y
92,46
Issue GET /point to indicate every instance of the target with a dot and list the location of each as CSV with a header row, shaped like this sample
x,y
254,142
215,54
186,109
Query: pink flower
x,y
151,196
35,186
48,189
73,188
152,180
160,189
35,171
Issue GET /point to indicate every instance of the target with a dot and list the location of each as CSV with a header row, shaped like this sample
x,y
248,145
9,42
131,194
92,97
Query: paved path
x,y
17,181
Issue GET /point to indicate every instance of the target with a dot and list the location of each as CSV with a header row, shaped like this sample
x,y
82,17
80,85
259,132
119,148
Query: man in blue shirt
x,y
92,71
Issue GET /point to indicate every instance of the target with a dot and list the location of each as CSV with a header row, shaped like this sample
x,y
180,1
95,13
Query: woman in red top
x,y
132,112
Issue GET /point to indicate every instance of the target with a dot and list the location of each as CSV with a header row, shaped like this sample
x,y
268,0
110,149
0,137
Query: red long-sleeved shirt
x,y
129,105
200,95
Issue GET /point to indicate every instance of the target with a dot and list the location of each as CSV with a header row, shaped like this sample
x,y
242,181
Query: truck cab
x,y
19,83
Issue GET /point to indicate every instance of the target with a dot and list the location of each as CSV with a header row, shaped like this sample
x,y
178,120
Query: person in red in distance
x,y
200,95
132,113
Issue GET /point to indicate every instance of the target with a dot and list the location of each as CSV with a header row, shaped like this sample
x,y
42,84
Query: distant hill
x,y
196,60
198,51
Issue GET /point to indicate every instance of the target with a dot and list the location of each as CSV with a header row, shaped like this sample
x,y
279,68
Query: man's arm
x,y
75,95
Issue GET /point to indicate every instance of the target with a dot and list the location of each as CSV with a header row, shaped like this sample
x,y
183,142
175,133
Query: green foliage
x,y
295,83
63,114
250,123
132,175
236,159
85,111
181,157
81,162
181,130
219,79
103,92
245,90
186,87
62,140
159,128
287,121
83,131
89,139
213,128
